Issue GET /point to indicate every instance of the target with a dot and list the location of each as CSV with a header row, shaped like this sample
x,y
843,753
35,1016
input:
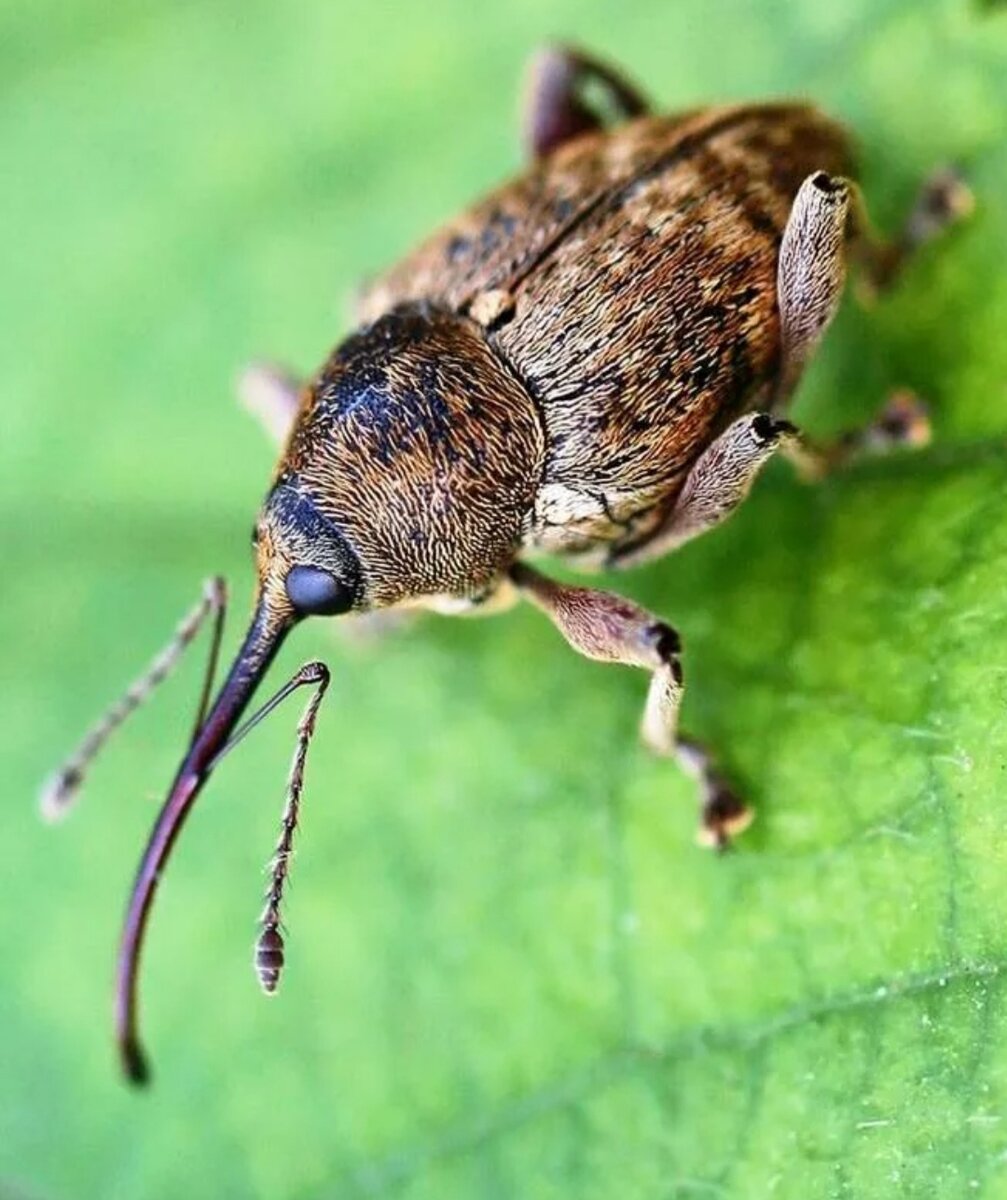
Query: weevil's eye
x,y
316,593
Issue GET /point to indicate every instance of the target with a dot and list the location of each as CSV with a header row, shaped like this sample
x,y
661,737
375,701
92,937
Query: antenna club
x,y
60,790
269,958
58,793
215,594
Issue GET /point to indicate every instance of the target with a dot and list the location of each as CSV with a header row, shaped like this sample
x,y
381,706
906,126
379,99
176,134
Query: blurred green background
x,y
511,972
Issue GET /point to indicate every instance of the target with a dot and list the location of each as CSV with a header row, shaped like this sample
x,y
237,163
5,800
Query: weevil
x,y
594,362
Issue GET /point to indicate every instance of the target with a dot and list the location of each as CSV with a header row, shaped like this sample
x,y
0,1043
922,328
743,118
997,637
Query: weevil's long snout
x,y
213,737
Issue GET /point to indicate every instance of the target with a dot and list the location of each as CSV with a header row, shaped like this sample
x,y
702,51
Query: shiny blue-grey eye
x,y
316,593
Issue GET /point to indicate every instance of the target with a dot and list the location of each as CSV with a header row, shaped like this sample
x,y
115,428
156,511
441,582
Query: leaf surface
x,y
512,974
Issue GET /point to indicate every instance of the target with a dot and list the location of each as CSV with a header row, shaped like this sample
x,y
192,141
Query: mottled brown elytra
x,y
591,361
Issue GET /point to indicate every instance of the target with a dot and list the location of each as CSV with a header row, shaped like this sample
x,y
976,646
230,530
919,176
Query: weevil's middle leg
x,y
607,628
718,482
724,473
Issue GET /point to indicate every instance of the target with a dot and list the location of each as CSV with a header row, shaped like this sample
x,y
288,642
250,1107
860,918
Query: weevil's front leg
x,y
272,395
608,628
554,109
719,481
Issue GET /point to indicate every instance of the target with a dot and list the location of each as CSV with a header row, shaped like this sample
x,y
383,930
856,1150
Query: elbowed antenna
x,y
61,789
269,949
213,739
216,732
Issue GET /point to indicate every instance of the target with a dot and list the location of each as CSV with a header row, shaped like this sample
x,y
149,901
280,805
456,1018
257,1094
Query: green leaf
x,y
511,974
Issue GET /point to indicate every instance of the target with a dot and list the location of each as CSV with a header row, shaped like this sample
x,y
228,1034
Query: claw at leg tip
x,y
724,817
57,794
905,421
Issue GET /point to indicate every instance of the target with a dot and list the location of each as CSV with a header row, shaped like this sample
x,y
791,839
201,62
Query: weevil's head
x,y
410,471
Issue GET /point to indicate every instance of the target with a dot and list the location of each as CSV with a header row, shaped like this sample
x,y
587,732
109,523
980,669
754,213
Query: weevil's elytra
x,y
642,271
591,361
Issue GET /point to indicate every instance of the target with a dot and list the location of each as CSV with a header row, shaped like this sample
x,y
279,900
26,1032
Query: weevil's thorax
x,y
417,454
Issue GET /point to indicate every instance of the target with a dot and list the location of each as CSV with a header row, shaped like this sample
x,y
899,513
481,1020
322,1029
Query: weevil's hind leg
x,y
943,201
554,107
607,628
719,481
828,224
271,395
810,273
902,423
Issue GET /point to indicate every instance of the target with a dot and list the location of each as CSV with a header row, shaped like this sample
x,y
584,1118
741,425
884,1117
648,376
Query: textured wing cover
x,y
642,265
